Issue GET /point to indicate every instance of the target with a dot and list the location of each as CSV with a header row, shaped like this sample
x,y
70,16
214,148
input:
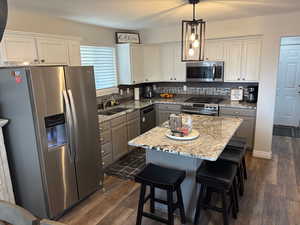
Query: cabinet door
x,y
251,60
119,141
124,64
74,53
246,130
137,64
17,48
151,63
179,66
52,51
167,62
232,58
133,130
214,50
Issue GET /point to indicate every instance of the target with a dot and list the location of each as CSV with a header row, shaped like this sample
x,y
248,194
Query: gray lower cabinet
x,y
119,137
163,112
106,143
133,126
247,128
115,134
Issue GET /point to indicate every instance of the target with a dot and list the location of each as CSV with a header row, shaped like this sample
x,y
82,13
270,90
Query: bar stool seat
x,y
163,178
217,177
160,177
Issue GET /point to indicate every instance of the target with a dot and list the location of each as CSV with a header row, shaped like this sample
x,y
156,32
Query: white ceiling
x,y
138,14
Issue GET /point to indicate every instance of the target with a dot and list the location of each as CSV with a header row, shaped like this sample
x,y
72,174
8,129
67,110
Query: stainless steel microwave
x,y
205,71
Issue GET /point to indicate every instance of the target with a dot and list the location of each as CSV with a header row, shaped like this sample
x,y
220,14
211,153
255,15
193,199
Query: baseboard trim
x,y
262,154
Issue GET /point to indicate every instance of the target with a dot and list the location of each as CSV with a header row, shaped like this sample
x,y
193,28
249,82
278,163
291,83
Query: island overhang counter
x,y
215,134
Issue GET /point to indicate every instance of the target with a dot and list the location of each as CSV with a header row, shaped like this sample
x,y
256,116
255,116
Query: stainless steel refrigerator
x,y
52,138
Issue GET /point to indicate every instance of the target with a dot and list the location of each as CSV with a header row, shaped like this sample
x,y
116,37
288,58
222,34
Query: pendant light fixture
x,y
193,37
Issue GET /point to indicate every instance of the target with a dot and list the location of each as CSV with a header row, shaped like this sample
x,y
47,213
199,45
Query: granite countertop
x,y
215,133
3,122
133,105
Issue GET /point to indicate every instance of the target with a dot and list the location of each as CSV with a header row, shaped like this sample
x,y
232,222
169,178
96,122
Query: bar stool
x,y
217,177
162,178
236,156
240,144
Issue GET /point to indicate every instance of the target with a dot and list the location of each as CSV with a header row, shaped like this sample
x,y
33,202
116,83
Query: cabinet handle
x,y
36,60
102,151
174,78
171,78
239,79
134,81
243,78
43,60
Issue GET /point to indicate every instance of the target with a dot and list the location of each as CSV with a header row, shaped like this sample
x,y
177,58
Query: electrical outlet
x,y
121,92
184,88
128,91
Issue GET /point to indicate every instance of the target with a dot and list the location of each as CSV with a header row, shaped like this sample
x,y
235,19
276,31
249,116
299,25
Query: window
x,y
103,60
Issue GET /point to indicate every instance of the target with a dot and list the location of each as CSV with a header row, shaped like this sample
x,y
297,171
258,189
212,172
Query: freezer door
x,y
81,90
53,127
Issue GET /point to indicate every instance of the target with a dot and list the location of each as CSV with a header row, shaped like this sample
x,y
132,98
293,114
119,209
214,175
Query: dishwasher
x,y
147,118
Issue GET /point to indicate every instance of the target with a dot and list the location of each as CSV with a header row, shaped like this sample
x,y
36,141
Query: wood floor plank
x,y
271,195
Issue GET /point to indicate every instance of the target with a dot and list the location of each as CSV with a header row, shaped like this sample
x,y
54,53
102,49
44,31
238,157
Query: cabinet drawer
x,y
105,136
104,126
169,107
237,112
133,115
119,120
107,160
106,149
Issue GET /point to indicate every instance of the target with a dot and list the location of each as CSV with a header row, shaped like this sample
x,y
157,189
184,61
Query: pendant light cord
x,y
194,11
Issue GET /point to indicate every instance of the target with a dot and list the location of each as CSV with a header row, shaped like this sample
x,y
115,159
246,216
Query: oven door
x,y
205,72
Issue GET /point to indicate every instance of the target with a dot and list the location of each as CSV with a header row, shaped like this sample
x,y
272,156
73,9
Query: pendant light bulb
x,y
196,43
193,37
191,51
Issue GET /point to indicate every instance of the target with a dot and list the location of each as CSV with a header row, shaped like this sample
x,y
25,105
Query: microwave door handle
x,y
70,125
214,72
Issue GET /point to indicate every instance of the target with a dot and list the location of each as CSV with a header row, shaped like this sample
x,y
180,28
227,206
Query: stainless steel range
x,y
202,106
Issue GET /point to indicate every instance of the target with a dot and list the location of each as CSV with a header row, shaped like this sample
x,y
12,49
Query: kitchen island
x,y
215,133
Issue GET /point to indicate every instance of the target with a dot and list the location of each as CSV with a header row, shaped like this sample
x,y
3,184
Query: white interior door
x,y
287,111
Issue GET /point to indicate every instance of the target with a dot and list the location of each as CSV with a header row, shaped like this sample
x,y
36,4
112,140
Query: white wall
x,y
40,23
272,28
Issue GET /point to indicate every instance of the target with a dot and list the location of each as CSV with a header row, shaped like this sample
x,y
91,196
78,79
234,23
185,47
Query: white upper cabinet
x,y
172,68
167,62
31,48
74,53
242,59
130,63
16,48
214,50
179,66
251,58
52,51
151,63
232,58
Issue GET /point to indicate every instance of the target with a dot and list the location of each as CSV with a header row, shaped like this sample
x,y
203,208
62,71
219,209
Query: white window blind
x,y
103,60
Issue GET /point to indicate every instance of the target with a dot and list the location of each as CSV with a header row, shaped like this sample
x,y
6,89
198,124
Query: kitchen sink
x,y
109,112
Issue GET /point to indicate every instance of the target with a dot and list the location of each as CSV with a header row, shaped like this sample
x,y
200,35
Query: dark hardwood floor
x,y
271,198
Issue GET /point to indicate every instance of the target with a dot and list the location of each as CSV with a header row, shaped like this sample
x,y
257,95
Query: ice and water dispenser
x,y
56,130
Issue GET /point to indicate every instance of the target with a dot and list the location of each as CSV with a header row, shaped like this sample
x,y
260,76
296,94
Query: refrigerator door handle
x,y
70,125
75,124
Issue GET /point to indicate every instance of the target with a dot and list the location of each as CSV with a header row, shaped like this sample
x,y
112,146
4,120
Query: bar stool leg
x,y
152,197
181,205
245,168
241,180
235,189
199,204
141,205
233,199
170,208
225,208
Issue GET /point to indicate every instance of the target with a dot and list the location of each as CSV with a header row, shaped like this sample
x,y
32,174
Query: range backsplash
x,y
205,89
